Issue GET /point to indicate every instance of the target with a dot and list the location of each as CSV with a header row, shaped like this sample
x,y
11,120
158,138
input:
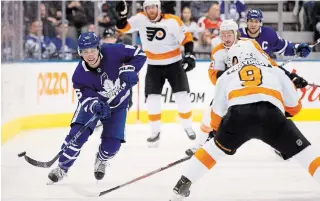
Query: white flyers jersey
x,y
218,62
252,81
248,49
161,41
219,58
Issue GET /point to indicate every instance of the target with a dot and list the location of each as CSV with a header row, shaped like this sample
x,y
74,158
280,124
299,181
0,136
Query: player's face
x,y
227,37
253,25
90,55
152,12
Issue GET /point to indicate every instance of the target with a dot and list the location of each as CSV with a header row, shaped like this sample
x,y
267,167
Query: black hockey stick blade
x,y
99,194
42,164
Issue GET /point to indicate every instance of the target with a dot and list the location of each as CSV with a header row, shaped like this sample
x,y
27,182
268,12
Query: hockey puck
x,y
22,154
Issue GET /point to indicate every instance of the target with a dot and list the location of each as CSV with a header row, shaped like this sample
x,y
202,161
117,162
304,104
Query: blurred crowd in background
x,y
36,30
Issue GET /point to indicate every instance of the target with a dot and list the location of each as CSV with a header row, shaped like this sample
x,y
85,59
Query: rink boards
x,y
40,95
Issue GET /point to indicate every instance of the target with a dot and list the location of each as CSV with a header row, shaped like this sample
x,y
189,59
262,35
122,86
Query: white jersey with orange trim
x,y
218,62
252,81
161,41
247,49
221,57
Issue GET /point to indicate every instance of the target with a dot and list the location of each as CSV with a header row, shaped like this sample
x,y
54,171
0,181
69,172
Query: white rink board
x,y
46,88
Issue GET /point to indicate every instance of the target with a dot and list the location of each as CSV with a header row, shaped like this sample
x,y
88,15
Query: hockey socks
x,y
108,148
309,158
67,159
203,160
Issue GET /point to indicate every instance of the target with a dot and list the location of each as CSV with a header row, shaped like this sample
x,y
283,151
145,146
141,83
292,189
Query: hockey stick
x,y
51,162
98,194
296,57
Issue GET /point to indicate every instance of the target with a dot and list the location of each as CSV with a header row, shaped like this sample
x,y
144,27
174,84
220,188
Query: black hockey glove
x,y
189,62
298,81
122,9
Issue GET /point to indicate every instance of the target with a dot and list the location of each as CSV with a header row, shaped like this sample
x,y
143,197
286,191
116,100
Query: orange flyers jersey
x,y
252,81
161,41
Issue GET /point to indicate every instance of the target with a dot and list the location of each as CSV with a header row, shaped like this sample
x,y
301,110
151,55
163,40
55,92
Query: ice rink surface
x,y
253,174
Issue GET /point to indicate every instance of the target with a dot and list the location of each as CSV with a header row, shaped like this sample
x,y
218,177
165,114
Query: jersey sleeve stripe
x,y
213,75
188,38
293,110
176,18
215,120
125,29
216,49
161,56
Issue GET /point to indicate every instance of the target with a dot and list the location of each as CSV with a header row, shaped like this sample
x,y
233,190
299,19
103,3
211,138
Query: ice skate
x,y
153,140
191,151
56,175
181,190
100,168
191,134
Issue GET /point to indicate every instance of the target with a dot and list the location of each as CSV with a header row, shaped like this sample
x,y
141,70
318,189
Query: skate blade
x,y
176,197
153,144
50,182
192,137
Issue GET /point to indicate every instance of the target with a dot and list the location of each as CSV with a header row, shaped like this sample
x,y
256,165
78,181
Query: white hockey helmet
x,y
229,25
152,3
240,52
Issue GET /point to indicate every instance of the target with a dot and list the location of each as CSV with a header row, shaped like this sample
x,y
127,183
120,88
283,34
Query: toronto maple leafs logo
x,y
110,87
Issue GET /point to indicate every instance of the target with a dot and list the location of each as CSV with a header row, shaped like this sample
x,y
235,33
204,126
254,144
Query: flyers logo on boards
x,y
155,32
52,84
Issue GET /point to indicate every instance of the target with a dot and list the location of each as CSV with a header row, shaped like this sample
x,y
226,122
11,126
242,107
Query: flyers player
x,y
229,35
162,36
220,61
250,102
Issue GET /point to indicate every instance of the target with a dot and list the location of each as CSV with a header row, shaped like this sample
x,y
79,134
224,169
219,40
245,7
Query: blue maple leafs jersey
x,y
103,82
270,42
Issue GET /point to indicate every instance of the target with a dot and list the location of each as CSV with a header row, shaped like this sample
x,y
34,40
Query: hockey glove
x,y
128,75
122,9
298,81
101,108
303,50
189,62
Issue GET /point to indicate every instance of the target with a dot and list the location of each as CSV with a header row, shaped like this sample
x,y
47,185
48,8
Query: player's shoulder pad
x,y
80,70
109,47
269,31
216,49
174,17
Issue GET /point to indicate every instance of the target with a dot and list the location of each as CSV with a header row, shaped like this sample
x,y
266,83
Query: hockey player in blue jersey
x,y
100,75
269,39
